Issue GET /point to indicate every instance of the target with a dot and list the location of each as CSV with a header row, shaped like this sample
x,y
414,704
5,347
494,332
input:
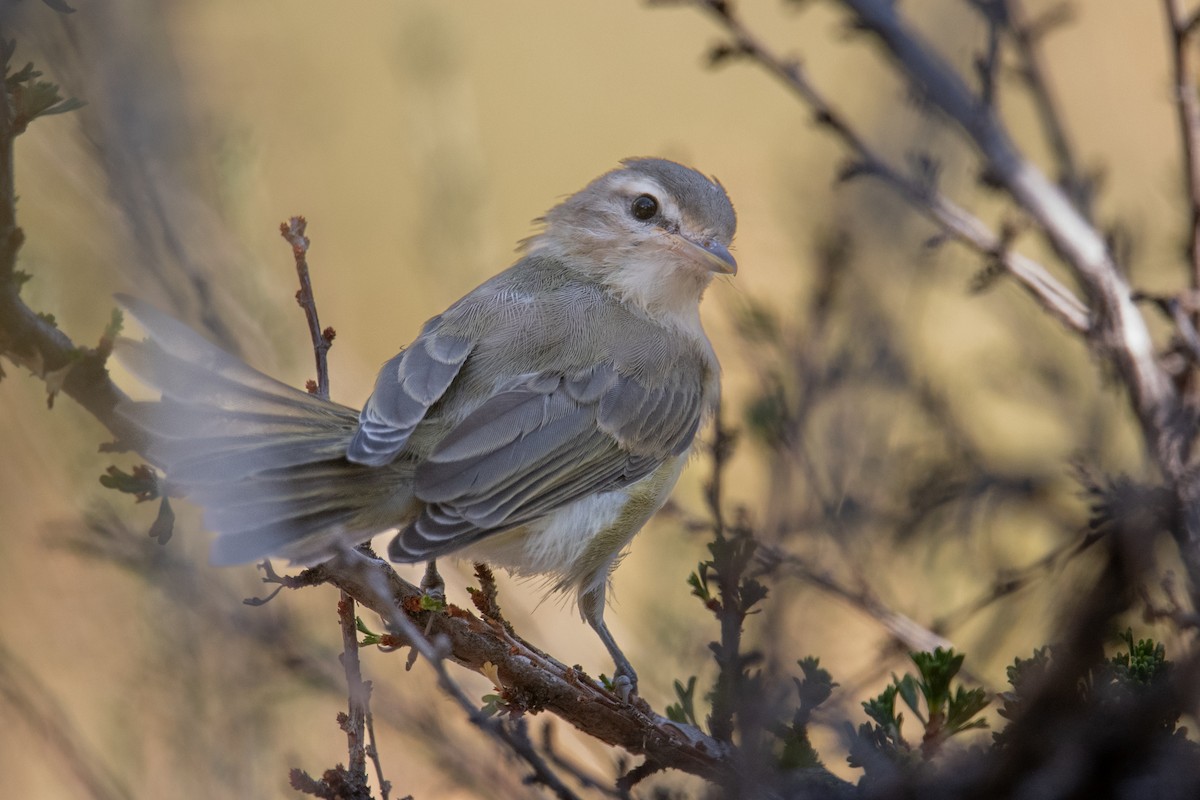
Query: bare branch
x,y
528,673
33,340
584,779
955,221
358,691
1026,35
1187,106
513,736
322,340
1121,332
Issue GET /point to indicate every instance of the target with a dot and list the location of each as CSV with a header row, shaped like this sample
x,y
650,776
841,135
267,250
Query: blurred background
x,y
903,438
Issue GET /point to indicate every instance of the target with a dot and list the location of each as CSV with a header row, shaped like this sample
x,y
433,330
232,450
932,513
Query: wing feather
x,y
540,445
407,386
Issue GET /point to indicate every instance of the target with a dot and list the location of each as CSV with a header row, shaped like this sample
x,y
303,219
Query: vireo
x,y
536,424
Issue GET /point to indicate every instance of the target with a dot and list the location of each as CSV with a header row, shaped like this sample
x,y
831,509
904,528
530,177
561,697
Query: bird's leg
x,y
431,582
591,604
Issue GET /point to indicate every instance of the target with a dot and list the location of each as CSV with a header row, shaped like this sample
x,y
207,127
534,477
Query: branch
x,y
725,699
33,340
1121,332
1026,34
525,673
956,222
514,736
322,340
1187,105
359,691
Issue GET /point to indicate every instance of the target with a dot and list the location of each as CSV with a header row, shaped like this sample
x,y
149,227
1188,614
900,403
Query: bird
x,y
536,424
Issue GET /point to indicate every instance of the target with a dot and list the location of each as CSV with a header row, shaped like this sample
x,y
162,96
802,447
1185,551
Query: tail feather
x,y
175,339
218,388
265,460
159,417
304,539
223,460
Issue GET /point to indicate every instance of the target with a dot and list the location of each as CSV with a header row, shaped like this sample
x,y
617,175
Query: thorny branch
x,y
513,736
530,680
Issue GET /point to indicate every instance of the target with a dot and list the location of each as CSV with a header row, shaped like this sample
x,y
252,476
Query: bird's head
x,y
654,232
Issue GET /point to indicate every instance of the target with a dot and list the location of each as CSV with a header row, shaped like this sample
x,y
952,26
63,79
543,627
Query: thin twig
x,y
955,221
1014,581
8,194
729,662
1187,105
1026,35
987,66
322,340
385,786
358,691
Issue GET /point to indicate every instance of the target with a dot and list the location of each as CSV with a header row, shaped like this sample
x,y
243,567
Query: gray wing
x,y
539,445
406,387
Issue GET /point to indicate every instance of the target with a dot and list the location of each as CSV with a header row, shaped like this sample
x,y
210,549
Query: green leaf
x,y
698,580
685,710
882,709
797,751
429,602
63,107
909,692
965,704
937,670
752,592
32,98
493,704
814,689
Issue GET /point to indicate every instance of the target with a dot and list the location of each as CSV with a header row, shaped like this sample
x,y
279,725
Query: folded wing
x,y
539,444
407,386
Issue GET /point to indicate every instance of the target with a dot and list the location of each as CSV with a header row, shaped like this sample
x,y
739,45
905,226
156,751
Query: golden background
x,y
420,139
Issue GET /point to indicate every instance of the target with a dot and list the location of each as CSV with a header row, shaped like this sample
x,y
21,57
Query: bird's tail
x,y
266,461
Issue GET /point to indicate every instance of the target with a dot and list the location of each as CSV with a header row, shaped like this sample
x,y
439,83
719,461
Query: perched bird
x,y
536,424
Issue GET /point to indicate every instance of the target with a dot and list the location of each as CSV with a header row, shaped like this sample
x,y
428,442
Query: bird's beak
x,y
711,255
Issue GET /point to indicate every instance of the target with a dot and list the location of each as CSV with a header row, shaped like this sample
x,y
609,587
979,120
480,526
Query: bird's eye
x,y
644,207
